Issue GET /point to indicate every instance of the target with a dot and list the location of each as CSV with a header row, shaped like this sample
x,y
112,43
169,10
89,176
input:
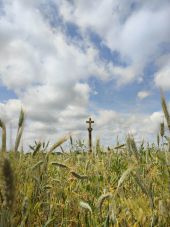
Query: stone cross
x,y
90,133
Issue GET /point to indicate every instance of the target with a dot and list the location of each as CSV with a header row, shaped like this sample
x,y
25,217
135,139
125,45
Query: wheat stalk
x,y
86,206
101,200
2,125
162,129
8,185
82,177
59,164
58,144
132,148
158,140
165,110
18,139
20,129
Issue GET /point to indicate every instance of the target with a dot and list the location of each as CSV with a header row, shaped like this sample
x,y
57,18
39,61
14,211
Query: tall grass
x,y
83,190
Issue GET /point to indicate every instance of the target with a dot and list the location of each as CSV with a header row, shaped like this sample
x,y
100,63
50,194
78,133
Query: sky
x,y
64,61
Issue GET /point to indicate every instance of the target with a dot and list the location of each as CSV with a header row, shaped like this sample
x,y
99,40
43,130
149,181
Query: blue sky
x,y
6,94
64,61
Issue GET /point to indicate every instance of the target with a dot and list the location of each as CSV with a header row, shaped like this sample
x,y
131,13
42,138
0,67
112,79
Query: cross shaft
x,y
90,133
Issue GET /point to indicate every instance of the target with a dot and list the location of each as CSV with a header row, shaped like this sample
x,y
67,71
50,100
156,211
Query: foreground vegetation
x,y
128,185
86,190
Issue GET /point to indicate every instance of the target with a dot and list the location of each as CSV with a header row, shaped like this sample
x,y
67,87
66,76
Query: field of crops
x,y
124,186
86,190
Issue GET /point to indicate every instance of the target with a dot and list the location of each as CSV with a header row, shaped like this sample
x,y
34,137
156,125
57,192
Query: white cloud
x,y
110,124
136,29
162,78
105,117
124,75
33,58
9,111
143,94
152,122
